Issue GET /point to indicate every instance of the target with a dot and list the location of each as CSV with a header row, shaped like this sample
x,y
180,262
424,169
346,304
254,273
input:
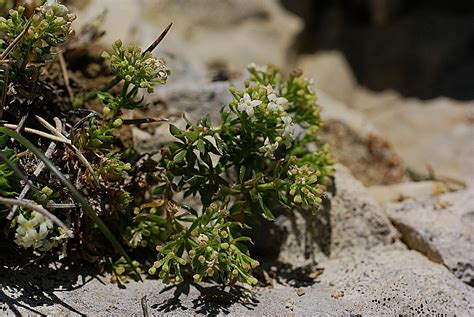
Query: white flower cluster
x,y
247,104
268,148
276,105
34,232
261,68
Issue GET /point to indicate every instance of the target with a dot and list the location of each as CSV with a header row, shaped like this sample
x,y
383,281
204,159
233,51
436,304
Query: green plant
x,y
263,158
47,29
253,162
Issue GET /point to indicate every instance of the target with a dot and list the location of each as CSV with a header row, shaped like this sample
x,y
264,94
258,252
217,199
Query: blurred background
x,y
395,78
421,48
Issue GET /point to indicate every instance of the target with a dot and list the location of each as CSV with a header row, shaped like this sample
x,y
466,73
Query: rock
x,y
440,228
350,220
235,32
88,295
332,109
436,133
120,19
240,31
331,73
357,144
407,190
195,101
384,280
395,281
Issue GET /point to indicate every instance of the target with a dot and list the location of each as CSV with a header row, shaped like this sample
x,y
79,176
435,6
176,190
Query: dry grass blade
x,y
57,131
63,65
160,38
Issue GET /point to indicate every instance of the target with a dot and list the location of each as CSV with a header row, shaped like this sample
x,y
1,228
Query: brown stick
x,y
63,65
160,38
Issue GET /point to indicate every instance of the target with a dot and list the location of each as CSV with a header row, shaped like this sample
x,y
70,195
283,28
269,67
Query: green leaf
x,y
267,214
212,148
82,201
200,146
192,135
242,238
174,130
253,194
180,156
152,218
242,171
104,95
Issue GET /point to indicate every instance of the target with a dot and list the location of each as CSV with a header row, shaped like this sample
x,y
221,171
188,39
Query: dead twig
x,y
36,173
144,303
144,120
57,131
63,65
160,38
62,206
39,133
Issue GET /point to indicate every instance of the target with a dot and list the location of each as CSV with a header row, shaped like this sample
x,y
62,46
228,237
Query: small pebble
x,y
290,303
314,275
300,292
337,294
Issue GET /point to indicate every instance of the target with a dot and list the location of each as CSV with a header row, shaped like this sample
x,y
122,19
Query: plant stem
x,y
92,95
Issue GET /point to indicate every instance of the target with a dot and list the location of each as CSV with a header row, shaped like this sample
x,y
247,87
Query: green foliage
x,y
139,69
50,27
181,214
253,162
7,176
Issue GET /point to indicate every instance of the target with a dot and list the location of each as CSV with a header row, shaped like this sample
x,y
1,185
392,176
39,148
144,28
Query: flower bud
x,y
120,270
106,111
201,259
117,123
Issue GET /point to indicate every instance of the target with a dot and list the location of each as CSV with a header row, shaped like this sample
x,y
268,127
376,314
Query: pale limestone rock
x,y
441,228
407,190
331,73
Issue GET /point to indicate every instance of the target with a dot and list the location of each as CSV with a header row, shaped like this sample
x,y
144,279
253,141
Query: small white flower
x,y
202,239
276,103
247,104
288,130
34,232
268,148
310,84
258,68
287,120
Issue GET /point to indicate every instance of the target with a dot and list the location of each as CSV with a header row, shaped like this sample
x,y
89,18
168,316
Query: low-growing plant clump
x,y
69,185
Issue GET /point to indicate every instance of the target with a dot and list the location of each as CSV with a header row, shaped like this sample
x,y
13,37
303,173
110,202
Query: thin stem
x,y
92,95
15,41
